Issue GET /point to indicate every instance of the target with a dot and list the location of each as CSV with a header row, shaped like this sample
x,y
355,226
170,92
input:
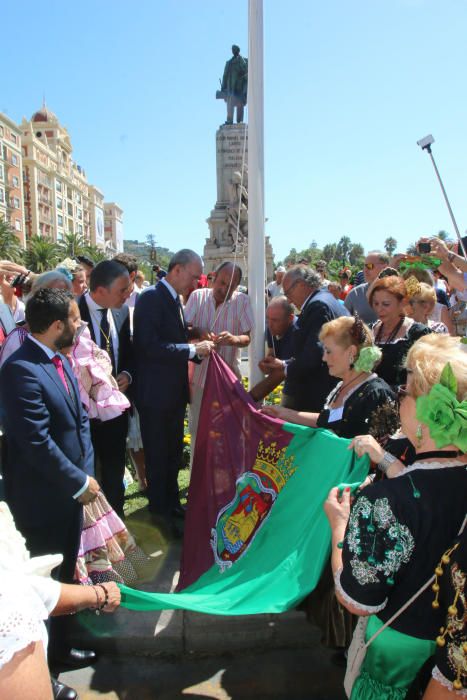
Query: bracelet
x,y
100,606
386,462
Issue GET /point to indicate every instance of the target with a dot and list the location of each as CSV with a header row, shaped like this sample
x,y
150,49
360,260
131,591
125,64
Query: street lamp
x,y
425,144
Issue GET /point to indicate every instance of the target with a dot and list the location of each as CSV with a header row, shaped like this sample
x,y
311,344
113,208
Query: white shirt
x,y
96,320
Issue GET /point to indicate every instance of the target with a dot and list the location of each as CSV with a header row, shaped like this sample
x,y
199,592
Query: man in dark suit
x,y
305,370
109,324
162,352
49,466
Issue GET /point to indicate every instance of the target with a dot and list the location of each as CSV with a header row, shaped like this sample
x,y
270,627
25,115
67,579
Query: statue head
x,y
235,49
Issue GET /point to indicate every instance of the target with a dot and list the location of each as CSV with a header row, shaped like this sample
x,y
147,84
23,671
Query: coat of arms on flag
x,y
255,494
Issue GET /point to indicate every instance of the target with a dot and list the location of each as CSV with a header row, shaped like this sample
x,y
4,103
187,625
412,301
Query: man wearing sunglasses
x,y
356,300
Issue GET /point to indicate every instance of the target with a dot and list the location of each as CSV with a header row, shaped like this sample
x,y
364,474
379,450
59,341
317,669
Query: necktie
x,y
180,310
106,339
61,373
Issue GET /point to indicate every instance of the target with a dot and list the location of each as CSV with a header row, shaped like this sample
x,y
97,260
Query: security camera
x,y
426,142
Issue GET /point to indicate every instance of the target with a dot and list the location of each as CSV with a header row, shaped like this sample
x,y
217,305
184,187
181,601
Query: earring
x,y
419,435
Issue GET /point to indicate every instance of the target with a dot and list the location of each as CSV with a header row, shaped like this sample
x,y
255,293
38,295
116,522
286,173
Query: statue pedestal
x,y
231,154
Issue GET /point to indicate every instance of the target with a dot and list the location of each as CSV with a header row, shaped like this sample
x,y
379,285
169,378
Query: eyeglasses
x,y
287,291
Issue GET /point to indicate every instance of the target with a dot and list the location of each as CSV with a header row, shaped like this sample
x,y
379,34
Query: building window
x,y
15,203
14,159
25,150
80,228
70,225
70,208
60,220
13,137
2,196
17,224
69,193
15,181
58,185
78,198
59,203
2,172
1,130
80,214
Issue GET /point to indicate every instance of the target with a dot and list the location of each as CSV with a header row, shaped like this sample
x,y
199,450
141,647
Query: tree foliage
x,y
390,245
337,255
42,254
72,244
10,247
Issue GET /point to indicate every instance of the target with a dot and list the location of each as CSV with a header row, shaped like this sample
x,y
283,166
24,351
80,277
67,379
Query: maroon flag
x,y
229,434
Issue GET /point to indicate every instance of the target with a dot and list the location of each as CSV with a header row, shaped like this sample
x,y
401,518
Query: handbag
x,y
358,647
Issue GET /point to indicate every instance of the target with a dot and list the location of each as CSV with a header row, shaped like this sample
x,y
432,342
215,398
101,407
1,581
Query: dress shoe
x,y
62,691
73,658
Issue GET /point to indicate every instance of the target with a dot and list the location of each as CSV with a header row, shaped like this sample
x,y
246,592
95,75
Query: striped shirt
x,y
235,316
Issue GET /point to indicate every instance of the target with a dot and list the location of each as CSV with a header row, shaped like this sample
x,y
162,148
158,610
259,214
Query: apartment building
x,y
113,227
11,181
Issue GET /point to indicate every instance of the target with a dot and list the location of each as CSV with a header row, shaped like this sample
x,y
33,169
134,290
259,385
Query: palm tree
x,y
72,244
42,254
10,247
390,245
96,254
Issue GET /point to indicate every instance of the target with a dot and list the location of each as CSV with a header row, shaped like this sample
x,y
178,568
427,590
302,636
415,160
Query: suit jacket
x,y
121,318
49,451
306,372
160,338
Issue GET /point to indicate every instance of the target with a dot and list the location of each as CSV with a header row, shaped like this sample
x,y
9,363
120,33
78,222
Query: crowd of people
x,y
96,365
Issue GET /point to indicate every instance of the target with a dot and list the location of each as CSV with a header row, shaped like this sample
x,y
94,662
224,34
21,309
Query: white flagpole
x,y
256,247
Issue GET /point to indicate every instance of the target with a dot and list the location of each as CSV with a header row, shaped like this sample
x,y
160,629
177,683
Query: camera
x,y
424,248
426,142
18,281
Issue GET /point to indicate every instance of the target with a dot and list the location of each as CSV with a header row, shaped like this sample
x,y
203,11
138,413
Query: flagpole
x,y
256,247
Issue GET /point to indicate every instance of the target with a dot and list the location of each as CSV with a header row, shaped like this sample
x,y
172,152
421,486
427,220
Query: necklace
x,y
436,453
343,386
392,335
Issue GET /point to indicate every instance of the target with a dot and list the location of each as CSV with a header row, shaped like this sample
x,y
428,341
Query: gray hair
x,y
184,257
300,273
284,303
383,257
49,279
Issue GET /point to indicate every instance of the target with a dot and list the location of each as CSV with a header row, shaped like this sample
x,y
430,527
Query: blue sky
x,y
350,86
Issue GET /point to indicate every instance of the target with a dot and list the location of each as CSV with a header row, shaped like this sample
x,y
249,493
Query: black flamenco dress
x,y
391,367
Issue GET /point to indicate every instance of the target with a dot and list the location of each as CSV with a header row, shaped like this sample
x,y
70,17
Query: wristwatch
x,y
386,462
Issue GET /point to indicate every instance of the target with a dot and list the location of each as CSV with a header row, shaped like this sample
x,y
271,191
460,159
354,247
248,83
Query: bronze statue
x,y
234,85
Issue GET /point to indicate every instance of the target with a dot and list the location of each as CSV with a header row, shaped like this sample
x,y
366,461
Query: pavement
x,y
300,674
178,653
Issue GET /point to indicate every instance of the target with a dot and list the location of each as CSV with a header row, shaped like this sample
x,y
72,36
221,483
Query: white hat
x,y
281,268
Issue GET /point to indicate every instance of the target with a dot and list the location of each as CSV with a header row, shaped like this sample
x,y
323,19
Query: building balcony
x,y
44,180
45,217
44,199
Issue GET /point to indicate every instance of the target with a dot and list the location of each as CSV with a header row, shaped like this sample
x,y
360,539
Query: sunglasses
x,y
370,266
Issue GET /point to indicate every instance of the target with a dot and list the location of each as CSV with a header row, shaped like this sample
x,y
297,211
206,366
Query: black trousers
x,y
60,537
109,442
162,433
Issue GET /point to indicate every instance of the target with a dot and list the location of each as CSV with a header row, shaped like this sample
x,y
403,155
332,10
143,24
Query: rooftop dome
x,y
44,115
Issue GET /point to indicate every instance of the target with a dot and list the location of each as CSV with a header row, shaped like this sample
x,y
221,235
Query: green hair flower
x,y
368,357
445,416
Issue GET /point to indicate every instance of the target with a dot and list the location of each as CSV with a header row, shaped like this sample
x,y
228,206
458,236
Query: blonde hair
x,y
426,294
340,329
420,274
427,358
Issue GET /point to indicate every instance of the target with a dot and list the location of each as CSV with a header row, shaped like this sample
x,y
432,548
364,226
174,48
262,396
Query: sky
x,y
350,86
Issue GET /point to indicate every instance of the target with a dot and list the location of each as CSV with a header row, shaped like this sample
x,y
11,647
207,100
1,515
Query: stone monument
x,y
228,223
